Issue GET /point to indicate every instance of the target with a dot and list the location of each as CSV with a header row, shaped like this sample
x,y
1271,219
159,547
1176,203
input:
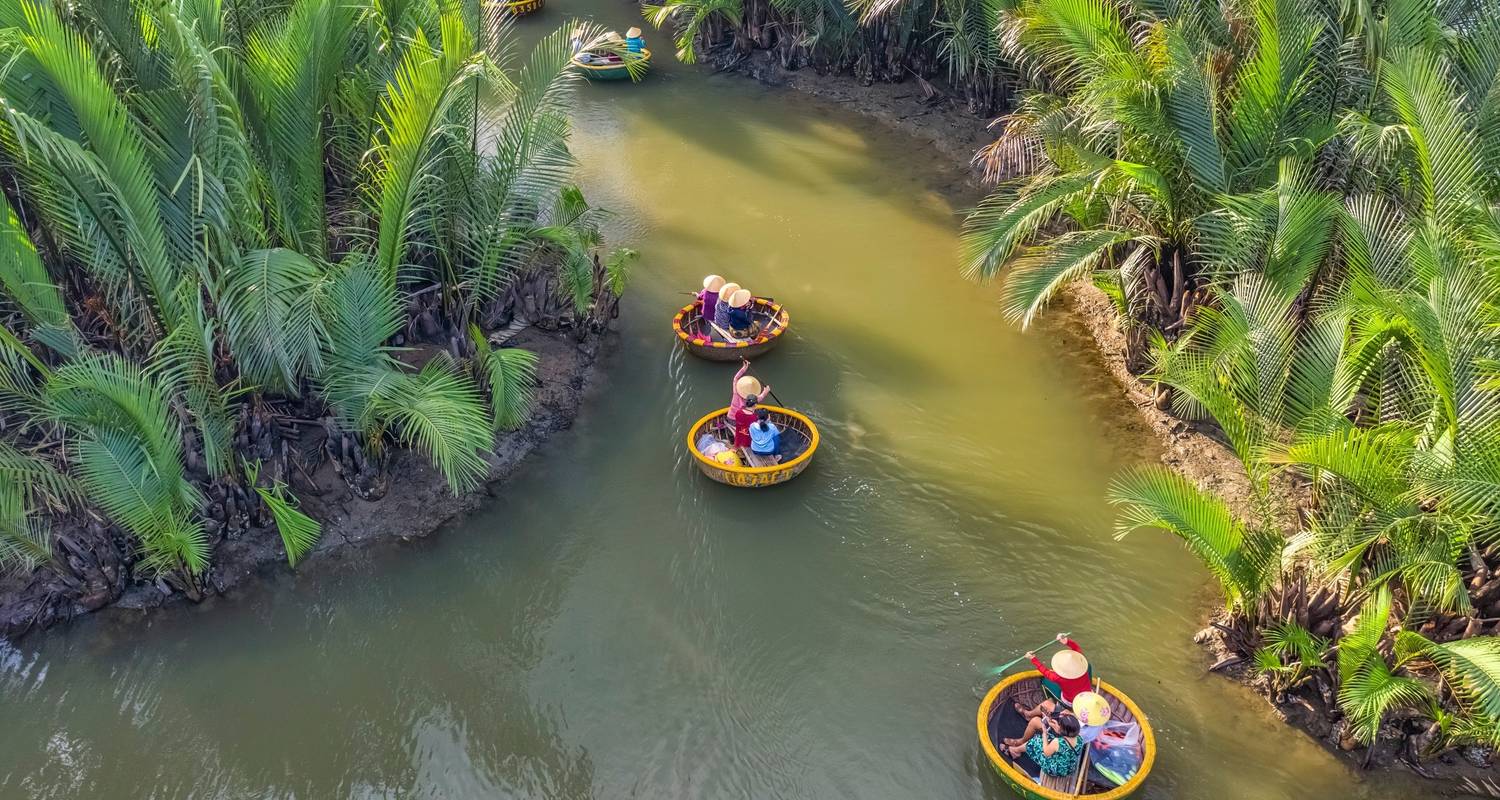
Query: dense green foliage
x,y
874,39
1293,203
215,210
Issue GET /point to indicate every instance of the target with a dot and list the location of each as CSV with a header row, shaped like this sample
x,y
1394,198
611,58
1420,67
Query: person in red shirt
x,y
742,421
1068,675
1069,670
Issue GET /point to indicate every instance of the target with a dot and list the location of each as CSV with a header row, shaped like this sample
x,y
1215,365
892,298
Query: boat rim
x,y
645,56
777,310
812,444
1148,740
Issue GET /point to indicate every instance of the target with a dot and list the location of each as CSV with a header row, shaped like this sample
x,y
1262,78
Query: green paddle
x,y
1007,665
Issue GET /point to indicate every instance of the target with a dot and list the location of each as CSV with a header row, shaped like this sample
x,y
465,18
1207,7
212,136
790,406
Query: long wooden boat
x,y
799,440
521,8
613,72
694,333
997,715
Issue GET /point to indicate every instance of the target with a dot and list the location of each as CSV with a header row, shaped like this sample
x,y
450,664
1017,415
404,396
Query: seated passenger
x,y
633,41
1056,749
708,299
743,419
742,324
720,326
765,437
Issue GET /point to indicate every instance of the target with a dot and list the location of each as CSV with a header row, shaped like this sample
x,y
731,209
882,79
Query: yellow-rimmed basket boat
x,y
614,72
520,8
693,332
799,440
1026,688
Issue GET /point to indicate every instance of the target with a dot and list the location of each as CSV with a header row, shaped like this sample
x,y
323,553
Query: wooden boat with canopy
x,y
520,8
695,334
617,70
999,720
719,460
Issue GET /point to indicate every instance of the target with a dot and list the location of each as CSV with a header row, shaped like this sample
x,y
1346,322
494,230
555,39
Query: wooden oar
x,y
1007,665
726,334
1083,766
773,394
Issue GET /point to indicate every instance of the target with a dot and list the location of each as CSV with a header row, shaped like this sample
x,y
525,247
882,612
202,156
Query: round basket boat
x,y
694,333
520,8
613,72
998,720
799,440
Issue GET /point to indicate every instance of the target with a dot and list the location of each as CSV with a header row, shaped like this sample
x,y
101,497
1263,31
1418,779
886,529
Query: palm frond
x,y
1244,560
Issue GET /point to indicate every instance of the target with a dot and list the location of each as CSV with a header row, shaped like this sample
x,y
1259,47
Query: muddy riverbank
x,y
417,503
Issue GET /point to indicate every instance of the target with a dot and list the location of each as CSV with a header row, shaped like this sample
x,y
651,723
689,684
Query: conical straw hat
x,y
713,283
747,386
739,299
1070,664
728,289
632,33
1091,709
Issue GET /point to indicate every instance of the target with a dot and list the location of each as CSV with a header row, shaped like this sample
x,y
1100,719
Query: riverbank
x,y
1196,450
416,505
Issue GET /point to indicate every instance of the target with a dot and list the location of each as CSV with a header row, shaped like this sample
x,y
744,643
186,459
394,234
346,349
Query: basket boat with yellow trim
x,y
1026,688
520,8
799,440
616,71
693,332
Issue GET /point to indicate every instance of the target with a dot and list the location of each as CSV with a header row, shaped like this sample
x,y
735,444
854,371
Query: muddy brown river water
x,y
615,626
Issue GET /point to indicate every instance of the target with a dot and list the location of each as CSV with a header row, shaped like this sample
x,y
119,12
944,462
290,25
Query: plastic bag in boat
x,y
1116,752
711,445
716,449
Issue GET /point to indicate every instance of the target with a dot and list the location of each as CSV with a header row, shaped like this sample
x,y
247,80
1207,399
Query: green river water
x,y
616,626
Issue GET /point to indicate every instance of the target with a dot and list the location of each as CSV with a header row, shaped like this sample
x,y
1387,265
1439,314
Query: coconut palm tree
x,y
211,211
1149,146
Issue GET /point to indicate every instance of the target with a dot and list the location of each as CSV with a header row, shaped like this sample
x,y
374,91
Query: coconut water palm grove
x,y
288,286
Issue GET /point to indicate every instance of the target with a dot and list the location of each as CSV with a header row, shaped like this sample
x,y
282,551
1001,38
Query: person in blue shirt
x,y
742,324
765,437
633,41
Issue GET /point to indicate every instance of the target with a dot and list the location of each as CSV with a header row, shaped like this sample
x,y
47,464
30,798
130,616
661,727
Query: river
x,y
616,626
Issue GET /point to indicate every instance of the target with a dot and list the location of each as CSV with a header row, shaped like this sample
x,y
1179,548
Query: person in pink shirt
x,y
745,386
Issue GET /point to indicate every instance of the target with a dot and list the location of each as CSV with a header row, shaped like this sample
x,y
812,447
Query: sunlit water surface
x,y
615,626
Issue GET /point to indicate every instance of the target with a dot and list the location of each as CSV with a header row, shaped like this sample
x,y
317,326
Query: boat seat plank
x,y
759,461
1064,783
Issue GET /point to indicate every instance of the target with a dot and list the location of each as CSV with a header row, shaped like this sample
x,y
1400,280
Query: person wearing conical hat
x,y
708,299
1069,673
633,41
742,324
745,388
1067,679
720,320
1068,676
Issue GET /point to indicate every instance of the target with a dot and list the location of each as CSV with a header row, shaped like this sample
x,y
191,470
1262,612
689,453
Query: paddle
x,y
1007,665
726,334
1083,767
772,392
